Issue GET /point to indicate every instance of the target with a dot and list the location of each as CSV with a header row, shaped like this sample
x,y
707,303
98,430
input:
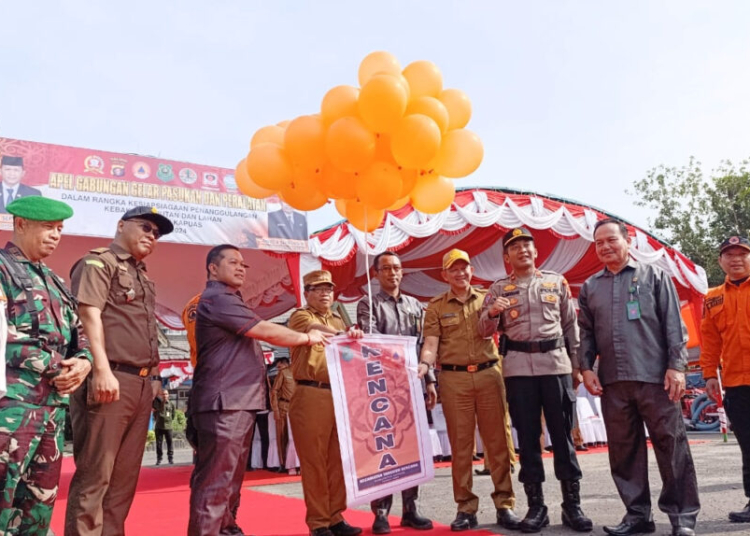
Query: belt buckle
x,y
472,368
143,372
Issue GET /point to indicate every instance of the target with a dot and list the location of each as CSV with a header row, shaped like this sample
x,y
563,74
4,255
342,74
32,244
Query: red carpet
x,y
161,506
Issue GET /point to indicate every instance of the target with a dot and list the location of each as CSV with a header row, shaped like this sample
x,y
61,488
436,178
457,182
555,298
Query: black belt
x,y
143,372
310,383
468,368
536,347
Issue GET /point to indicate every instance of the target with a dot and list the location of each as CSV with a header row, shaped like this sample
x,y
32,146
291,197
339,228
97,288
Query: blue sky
x,y
576,99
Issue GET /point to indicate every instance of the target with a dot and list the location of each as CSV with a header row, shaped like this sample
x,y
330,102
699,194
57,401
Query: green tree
x,y
695,212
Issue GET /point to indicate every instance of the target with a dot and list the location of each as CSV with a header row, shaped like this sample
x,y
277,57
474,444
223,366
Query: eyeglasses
x,y
148,228
321,290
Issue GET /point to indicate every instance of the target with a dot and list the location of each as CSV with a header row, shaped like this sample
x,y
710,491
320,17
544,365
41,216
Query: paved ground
x,y
719,479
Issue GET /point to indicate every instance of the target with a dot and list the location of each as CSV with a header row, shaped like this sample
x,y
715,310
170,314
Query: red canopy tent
x,y
475,223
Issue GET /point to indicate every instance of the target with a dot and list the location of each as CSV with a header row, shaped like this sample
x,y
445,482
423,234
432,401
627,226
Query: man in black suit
x,y
287,223
12,172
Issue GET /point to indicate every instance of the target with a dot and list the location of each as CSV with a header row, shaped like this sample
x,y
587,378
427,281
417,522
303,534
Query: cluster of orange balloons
x,y
399,138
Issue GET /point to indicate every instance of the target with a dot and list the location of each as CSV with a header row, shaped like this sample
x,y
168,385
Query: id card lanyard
x,y
633,306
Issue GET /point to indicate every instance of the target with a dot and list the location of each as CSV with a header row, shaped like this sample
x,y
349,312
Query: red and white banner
x,y
203,202
380,415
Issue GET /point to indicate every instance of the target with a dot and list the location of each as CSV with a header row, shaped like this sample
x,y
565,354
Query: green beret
x,y
36,207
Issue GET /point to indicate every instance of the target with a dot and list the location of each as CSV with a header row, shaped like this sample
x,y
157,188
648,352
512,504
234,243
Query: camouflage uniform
x,y
32,413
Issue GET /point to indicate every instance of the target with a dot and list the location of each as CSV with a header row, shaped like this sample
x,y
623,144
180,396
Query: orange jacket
x,y
726,333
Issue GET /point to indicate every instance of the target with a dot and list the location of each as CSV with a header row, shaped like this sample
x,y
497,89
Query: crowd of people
x,y
94,348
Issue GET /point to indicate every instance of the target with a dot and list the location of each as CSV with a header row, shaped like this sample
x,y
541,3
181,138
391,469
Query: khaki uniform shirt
x,y
309,362
282,391
111,280
456,324
540,309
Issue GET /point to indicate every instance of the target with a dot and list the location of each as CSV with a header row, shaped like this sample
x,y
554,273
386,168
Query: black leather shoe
x,y
482,472
743,516
507,518
321,532
582,448
342,528
464,521
414,520
626,528
381,525
682,531
537,517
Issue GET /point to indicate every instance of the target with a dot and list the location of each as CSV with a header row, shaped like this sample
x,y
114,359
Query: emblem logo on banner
x,y
141,170
188,176
93,164
165,173
380,415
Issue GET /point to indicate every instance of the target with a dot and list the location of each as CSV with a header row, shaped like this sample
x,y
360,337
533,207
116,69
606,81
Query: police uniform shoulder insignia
x,y
487,300
95,262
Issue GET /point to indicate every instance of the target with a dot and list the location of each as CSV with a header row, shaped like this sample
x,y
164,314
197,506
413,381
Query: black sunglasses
x,y
148,228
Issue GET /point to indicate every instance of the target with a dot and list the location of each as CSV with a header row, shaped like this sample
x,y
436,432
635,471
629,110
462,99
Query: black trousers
x,y
527,397
261,427
737,406
626,406
167,436
408,499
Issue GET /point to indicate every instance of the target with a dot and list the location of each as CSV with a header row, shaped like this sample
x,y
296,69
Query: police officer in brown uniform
x,y
311,412
281,396
471,389
535,315
110,413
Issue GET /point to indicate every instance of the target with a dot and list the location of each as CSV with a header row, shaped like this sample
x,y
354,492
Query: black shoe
x,y
342,528
171,461
414,520
464,521
507,518
682,531
572,515
482,472
743,516
381,525
158,462
626,528
324,531
536,518
582,448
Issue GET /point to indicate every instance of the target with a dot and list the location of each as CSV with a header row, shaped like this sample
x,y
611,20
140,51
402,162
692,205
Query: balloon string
x,y
367,271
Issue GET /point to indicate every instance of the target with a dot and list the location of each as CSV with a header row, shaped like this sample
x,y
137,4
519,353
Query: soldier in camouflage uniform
x,y
47,358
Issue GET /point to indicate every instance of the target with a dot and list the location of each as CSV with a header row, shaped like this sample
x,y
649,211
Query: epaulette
x,y
99,251
437,298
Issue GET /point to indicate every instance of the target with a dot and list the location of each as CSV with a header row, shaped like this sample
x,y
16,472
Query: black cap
x,y
515,234
734,241
150,214
11,161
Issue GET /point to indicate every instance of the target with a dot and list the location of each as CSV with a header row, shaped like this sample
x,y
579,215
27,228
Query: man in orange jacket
x,y
726,342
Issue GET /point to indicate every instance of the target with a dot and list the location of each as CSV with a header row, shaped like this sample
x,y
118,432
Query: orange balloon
x,y
283,124
383,149
377,62
349,145
416,141
425,79
432,108
340,205
432,194
304,193
304,140
408,180
379,186
246,184
339,102
269,134
460,154
458,105
400,203
269,166
338,184
382,102
363,217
